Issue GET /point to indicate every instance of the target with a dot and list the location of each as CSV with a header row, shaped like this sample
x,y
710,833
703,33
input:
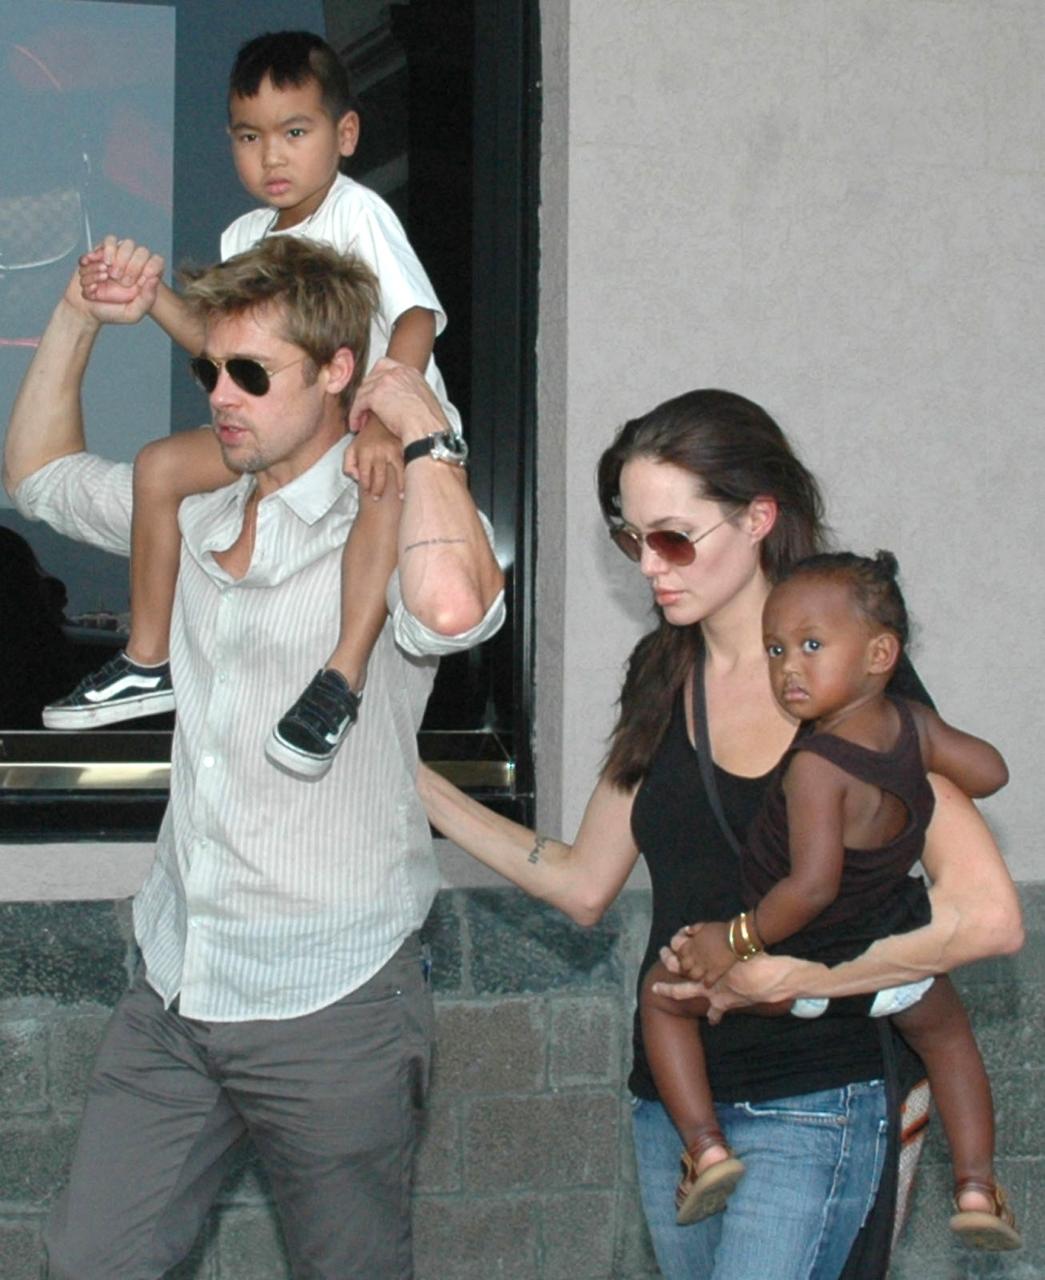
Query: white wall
x,y
836,208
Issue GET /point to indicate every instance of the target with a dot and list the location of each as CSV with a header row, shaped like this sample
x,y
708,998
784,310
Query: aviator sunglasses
x,y
249,375
671,545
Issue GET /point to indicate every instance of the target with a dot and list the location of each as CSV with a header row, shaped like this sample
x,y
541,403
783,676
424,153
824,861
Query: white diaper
x,y
897,999
809,1007
886,1003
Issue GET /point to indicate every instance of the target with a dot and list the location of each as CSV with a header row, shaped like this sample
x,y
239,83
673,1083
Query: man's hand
x,y
401,398
375,456
119,280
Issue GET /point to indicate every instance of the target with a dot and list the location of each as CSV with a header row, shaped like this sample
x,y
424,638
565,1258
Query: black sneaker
x,y
306,740
121,690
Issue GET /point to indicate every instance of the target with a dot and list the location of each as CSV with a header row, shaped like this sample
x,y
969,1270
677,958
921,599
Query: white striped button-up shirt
x,y
270,896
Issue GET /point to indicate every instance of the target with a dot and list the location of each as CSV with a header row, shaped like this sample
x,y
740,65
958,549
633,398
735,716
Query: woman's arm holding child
x,y
975,914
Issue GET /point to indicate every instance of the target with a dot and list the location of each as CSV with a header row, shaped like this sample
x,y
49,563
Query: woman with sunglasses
x,y
705,494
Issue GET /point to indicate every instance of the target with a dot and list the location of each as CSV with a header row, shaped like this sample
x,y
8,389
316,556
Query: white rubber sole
x,y
149,704
285,757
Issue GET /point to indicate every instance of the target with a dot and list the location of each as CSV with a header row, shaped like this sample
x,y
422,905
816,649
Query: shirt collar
x,y
311,494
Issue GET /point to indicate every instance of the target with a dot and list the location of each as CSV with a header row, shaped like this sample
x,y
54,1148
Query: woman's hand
x,y
764,979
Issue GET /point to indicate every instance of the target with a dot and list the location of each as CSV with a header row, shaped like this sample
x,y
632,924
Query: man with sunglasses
x,y
283,992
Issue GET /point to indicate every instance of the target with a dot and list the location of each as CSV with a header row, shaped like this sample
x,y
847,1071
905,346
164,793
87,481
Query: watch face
x,y
450,447
442,446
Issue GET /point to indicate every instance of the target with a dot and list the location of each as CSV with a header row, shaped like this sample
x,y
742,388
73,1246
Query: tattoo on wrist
x,y
432,542
534,855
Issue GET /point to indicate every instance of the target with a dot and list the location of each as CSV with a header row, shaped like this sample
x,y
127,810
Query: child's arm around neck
x,y
969,762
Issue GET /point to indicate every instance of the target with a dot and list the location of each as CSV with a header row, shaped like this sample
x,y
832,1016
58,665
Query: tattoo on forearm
x,y
432,542
534,855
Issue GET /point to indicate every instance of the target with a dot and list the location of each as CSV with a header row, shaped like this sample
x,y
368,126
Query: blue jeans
x,y
813,1165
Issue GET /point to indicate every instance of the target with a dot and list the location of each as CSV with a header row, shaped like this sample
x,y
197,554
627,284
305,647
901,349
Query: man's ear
x,y
883,653
338,371
762,512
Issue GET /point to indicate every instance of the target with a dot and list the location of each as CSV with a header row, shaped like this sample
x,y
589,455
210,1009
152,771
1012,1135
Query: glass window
x,y
447,98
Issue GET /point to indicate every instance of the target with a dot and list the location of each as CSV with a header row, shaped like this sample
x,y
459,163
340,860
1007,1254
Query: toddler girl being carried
x,y
824,873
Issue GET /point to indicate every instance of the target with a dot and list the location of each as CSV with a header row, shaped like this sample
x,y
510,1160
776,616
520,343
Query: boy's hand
x,y
118,311
374,457
120,272
403,400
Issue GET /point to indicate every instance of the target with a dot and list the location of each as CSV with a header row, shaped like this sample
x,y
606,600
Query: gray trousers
x,y
333,1102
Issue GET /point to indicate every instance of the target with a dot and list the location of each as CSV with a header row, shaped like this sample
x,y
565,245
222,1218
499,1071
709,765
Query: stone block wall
x,y
526,1171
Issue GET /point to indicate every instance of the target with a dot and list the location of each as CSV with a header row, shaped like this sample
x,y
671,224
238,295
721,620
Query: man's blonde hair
x,y
324,299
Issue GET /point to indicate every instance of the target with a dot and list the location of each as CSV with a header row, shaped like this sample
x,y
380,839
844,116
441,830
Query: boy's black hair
x,y
292,58
872,582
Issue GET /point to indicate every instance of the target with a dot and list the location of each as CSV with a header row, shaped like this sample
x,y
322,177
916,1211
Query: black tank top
x,y
696,876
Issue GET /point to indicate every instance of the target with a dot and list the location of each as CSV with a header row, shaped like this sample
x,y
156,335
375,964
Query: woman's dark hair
x,y
292,58
738,453
872,581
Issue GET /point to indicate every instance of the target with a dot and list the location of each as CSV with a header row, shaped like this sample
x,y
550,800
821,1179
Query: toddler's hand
x,y
399,395
375,457
703,952
118,271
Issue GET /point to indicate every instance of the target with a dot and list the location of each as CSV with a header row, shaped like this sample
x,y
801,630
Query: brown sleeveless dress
x,y
869,904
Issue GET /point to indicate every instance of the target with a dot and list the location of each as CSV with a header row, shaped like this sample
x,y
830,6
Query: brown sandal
x,y
993,1229
699,1195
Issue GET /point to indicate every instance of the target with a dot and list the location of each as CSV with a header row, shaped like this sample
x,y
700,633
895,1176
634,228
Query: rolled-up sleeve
x,y
414,638
83,497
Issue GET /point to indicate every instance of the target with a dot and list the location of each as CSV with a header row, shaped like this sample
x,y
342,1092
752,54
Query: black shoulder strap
x,y
703,746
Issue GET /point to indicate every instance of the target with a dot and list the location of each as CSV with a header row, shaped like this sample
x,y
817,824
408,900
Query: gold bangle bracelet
x,y
747,942
752,930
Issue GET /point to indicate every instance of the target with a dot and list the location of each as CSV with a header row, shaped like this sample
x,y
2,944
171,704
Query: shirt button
x,y
208,762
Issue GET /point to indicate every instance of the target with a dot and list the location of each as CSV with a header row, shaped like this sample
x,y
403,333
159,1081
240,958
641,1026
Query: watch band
x,y
419,449
443,446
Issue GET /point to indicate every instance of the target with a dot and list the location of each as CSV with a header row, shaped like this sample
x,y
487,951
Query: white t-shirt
x,y
354,219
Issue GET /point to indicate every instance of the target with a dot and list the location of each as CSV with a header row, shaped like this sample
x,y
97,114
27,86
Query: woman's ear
x,y
883,653
762,512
